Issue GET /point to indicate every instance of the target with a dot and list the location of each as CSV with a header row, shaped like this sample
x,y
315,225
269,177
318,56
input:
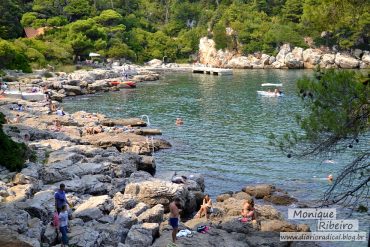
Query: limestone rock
x,y
139,237
41,205
241,62
222,197
259,191
50,235
13,218
125,218
72,90
280,199
124,201
3,189
84,237
327,61
156,192
9,238
93,208
153,215
346,62
147,163
284,50
366,57
294,59
154,63
139,209
267,212
311,58
278,226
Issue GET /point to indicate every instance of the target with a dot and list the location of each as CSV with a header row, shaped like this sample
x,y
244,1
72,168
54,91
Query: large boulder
x,y
83,236
346,62
366,57
241,62
41,205
72,90
282,226
311,58
294,59
328,61
259,191
153,215
98,85
94,208
139,236
280,198
284,50
154,63
124,201
9,238
157,192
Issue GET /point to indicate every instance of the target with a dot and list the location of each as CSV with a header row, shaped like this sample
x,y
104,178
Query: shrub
x,y
12,154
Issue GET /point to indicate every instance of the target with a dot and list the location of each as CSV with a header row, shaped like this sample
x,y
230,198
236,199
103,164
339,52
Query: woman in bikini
x,y
205,208
248,211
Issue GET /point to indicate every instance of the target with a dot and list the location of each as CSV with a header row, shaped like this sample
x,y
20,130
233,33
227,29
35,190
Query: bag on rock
x,y
56,220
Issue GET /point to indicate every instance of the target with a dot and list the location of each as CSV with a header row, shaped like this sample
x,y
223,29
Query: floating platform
x,y
212,71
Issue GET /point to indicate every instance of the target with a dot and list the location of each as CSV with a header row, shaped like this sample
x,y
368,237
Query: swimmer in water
x,y
179,121
330,177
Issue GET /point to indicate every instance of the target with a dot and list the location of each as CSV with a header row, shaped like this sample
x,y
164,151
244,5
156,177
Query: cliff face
x,y
288,57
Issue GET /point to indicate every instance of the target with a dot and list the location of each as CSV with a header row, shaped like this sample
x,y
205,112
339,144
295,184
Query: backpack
x,y
56,219
201,228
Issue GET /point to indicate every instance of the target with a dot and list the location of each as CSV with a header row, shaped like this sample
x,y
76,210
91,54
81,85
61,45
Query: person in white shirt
x,y
63,225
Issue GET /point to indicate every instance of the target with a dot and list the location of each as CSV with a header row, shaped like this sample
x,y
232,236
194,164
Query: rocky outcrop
x,y
287,57
346,62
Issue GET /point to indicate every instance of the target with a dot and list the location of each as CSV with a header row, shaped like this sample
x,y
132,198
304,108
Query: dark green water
x,y
225,132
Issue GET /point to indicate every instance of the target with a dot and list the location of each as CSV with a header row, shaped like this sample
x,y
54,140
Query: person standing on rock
x,y
60,198
174,217
63,224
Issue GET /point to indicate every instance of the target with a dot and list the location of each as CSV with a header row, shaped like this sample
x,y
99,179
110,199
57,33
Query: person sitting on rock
x,y
60,112
57,125
248,211
205,208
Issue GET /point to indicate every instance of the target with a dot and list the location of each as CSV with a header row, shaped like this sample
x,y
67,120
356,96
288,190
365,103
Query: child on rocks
x,y
63,225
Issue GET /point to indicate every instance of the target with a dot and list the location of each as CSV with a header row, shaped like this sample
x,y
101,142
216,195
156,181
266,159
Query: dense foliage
x,y
337,120
12,154
140,30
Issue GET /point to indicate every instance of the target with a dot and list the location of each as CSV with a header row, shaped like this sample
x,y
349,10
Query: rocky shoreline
x,y
109,180
287,58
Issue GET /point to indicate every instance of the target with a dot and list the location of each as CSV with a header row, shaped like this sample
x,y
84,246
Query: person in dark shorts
x,y
174,217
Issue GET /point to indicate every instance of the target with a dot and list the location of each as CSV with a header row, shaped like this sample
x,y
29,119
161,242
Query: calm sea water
x,y
226,127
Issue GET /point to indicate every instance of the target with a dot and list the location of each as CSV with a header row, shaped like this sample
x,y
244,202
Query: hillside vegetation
x,y
139,30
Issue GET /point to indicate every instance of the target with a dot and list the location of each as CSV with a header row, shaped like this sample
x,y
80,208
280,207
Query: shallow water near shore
x,y
225,129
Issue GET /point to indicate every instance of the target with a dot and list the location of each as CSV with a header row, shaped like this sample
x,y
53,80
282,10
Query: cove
x,y
224,136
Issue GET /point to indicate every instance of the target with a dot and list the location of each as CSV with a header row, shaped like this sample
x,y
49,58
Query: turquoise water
x,y
225,132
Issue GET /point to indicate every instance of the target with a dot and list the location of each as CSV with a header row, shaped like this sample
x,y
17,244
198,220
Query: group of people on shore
x,y
247,213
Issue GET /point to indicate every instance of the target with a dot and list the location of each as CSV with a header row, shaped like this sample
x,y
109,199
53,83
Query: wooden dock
x,y
212,71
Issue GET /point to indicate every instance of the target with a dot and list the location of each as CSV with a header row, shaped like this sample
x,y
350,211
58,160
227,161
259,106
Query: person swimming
x,y
179,121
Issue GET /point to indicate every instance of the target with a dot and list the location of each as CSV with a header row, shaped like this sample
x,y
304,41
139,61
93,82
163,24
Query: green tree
x,y
10,27
293,10
11,58
338,119
77,9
